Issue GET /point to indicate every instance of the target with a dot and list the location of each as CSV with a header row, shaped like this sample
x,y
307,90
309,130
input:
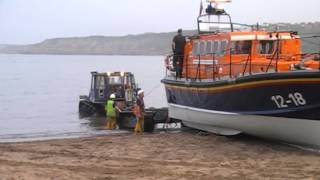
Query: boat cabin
x,y
122,84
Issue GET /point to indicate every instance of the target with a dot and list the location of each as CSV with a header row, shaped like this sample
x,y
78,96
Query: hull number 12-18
x,y
296,99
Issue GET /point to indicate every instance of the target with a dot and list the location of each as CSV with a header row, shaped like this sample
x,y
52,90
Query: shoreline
x,y
164,155
62,136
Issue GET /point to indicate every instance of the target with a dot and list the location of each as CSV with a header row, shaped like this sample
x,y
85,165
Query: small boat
x,y
124,86
244,79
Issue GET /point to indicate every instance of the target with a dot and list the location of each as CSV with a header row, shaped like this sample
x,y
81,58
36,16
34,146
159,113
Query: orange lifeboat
x,y
238,78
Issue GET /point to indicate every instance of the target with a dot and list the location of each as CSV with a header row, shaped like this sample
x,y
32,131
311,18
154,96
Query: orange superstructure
x,y
216,55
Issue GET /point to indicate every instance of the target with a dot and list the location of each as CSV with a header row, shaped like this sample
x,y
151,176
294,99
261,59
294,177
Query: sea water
x,y
39,94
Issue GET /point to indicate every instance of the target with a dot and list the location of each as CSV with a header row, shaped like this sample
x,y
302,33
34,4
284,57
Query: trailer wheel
x,y
126,120
149,124
86,108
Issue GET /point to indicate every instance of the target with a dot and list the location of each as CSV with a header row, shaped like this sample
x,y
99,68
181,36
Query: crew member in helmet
x,y
110,108
139,112
178,43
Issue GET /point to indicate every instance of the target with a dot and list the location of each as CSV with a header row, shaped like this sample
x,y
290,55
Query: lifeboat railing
x,y
171,66
218,26
319,59
275,56
195,70
198,74
248,61
199,69
230,64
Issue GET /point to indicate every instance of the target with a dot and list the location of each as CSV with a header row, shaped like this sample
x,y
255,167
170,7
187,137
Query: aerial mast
x,y
219,4
214,8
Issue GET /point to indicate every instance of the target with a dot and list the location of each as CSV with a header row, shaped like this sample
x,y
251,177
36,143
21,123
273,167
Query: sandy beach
x,y
185,155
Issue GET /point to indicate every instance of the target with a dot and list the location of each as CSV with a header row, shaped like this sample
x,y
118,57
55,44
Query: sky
x,y
32,21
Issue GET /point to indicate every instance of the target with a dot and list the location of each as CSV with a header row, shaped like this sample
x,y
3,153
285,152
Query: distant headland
x,y
141,44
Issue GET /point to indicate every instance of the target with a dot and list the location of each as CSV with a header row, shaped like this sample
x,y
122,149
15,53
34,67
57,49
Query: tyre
x,y
126,121
86,109
149,122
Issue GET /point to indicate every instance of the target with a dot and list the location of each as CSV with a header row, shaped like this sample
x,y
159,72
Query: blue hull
x,y
290,95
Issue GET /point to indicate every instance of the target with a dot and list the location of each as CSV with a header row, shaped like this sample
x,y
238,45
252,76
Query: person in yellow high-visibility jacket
x,y
110,109
139,113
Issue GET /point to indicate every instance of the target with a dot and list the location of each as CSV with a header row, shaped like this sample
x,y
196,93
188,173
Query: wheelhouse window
x,y
202,48
216,46
196,49
241,47
209,48
266,47
222,49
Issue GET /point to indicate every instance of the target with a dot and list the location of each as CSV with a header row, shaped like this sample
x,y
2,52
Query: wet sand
x,y
185,155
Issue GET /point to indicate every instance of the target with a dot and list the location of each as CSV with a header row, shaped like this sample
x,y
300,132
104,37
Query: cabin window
x,y
100,82
216,47
222,49
196,49
209,47
115,80
266,47
241,47
202,48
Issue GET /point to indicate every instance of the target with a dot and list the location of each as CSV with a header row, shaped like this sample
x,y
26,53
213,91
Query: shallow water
x,y
39,93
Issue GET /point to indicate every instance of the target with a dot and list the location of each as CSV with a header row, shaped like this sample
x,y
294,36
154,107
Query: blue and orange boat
x,y
243,79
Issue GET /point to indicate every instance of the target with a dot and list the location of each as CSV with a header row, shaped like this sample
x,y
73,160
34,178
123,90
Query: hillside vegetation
x,y
143,44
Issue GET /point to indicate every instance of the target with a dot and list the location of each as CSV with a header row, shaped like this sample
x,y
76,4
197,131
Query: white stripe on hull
x,y
297,131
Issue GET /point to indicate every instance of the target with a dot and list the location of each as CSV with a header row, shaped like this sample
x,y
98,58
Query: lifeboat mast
x,y
216,10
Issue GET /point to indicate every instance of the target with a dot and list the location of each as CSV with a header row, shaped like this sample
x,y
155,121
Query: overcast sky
x,y
31,21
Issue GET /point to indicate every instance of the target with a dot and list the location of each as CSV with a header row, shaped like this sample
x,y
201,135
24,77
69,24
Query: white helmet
x,y
140,91
112,96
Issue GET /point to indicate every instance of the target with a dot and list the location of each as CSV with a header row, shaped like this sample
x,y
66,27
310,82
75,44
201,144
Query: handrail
x,y
245,67
204,15
187,67
230,69
319,57
319,62
198,68
278,51
271,60
201,71
237,67
213,66
250,67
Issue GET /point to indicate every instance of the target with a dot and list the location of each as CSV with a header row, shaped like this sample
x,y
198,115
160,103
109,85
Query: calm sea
x,y
39,94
